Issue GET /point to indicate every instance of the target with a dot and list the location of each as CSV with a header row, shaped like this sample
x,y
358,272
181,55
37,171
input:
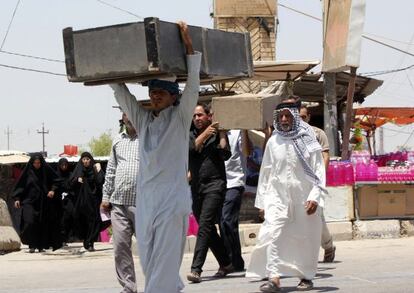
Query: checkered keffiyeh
x,y
304,141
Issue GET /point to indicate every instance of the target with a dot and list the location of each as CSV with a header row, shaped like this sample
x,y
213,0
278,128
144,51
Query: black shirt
x,y
208,172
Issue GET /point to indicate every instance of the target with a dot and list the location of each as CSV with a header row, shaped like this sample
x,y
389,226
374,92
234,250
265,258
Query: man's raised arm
x,y
128,103
189,97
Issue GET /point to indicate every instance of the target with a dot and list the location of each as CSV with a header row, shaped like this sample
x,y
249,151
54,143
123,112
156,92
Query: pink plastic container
x,y
192,225
330,174
372,171
104,235
348,173
361,171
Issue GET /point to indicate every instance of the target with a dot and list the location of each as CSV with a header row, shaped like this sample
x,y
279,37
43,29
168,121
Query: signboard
x,y
244,8
343,26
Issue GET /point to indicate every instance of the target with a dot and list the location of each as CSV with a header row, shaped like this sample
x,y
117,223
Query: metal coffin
x,y
135,52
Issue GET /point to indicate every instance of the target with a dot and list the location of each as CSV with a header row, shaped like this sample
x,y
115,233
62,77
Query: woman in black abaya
x,y
87,180
34,193
68,198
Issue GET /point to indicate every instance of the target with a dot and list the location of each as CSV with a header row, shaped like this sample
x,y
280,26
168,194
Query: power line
x,y
389,39
409,81
387,45
31,56
363,35
123,10
408,139
10,23
373,73
397,131
298,11
32,70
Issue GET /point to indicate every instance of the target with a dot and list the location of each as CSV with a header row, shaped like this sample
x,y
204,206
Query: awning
x,y
374,117
10,159
310,87
282,70
272,71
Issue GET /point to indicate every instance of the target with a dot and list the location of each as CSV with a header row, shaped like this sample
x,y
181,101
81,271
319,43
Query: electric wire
x,y
397,131
363,35
31,56
32,70
408,139
388,39
118,8
10,23
382,72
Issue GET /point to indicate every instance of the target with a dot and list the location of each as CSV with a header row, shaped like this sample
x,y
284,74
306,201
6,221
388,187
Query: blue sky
x,y
73,113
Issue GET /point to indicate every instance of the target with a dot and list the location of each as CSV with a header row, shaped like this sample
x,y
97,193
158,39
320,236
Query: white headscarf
x,y
303,137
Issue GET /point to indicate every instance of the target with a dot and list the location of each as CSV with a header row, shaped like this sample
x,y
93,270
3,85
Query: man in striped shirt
x,y
119,193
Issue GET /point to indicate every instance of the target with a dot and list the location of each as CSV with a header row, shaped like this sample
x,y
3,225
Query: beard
x,y
285,127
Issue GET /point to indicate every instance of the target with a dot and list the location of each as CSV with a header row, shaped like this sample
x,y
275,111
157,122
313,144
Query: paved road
x,y
385,265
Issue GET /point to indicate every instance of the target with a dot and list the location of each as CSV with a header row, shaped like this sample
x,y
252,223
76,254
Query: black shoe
x,y
224,271
90,249
269,287
305,285
31,250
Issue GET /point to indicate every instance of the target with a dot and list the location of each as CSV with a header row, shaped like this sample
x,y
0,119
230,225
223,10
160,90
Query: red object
x,y
192,225
70,150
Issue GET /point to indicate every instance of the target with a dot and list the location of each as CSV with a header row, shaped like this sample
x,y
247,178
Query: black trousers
x,y
229,226
207,209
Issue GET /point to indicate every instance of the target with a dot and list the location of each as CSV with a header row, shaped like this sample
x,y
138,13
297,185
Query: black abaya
x,y
39,225
88,198
68,200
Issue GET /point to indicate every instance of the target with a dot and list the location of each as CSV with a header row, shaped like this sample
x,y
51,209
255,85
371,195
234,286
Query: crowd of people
x,y
58,204
171,160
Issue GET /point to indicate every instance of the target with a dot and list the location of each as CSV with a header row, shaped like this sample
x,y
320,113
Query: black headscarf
x,y
59,171
82,171
42,178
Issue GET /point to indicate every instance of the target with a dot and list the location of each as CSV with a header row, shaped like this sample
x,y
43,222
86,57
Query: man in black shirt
x,y
208,150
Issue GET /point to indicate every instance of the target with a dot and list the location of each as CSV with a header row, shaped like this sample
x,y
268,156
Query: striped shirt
x,y
121,172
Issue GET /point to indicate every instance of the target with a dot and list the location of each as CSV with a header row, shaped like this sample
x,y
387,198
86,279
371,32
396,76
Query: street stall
x,y
384,184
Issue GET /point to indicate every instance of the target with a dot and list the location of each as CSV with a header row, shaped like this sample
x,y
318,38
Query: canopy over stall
x,y
282,70
370,118
374,117
310,87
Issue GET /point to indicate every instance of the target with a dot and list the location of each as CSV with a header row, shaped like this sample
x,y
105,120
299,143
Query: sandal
x,y
329,255
224,271
305,285
269,287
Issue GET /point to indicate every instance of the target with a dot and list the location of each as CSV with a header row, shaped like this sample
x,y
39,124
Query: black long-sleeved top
x,y
207,168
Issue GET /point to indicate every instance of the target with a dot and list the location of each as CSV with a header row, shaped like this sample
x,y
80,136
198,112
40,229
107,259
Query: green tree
x,y
101,146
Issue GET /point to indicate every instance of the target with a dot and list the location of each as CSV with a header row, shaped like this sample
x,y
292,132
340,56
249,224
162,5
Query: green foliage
x,y
101,146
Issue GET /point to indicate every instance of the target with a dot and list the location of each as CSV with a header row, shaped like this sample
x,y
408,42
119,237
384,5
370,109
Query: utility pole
x,y
349,114
381,141
330,112
8,133
43,132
